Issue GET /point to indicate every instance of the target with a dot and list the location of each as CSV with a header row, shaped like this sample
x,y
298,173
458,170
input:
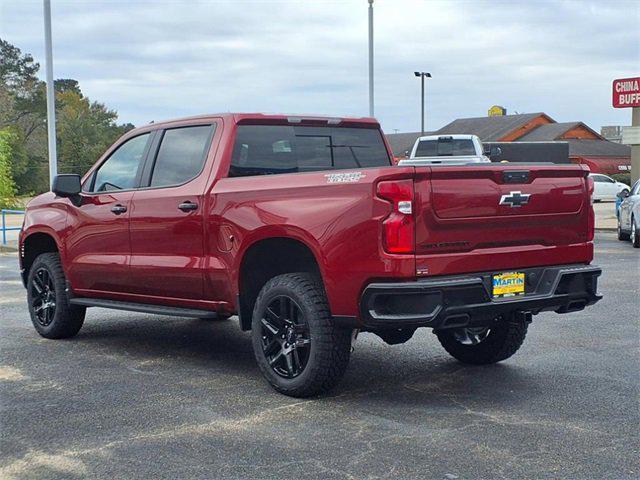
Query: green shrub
x,y
7,185
622,177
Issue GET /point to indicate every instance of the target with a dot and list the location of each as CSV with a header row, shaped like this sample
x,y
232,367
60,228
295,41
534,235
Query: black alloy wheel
x,y
43,297
286,343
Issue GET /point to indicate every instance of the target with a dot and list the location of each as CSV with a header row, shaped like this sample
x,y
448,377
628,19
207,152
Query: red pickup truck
x,y
305,230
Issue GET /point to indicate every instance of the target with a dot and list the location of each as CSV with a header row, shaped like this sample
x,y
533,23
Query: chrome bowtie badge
x,y
515,199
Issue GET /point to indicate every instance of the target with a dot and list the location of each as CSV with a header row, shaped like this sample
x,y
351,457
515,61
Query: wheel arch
x,y
266,258
35,243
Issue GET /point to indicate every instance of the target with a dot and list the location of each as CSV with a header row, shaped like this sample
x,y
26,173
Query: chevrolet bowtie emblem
x,y
515,199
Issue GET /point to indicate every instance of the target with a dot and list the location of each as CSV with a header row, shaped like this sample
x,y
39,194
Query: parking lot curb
x,y
8,249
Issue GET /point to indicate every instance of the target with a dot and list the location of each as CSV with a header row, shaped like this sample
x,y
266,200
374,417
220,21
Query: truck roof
x,y
454,136
271,118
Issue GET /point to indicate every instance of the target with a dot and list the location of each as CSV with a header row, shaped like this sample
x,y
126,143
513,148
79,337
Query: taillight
x,y
591,222
398,228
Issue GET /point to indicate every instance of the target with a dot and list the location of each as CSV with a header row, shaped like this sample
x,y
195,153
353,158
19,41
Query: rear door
x,y
167,239
481,218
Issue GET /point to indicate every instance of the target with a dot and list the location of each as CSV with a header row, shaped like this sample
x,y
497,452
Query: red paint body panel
x,y
159,254
97,243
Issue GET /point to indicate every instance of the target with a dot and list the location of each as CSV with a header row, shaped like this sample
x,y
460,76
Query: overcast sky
x,y
154,60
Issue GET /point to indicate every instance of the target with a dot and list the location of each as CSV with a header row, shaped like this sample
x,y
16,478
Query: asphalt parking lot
x,y
138,396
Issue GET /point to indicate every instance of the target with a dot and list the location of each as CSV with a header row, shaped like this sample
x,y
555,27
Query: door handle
x,y
188,206
118,209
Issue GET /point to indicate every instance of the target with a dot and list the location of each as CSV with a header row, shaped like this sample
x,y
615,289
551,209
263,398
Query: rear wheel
x,y
485,345
48,299
297,347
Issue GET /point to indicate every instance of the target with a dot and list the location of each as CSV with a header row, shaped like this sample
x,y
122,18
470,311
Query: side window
x,y
608,179
120,170
181,155
636,188
597,178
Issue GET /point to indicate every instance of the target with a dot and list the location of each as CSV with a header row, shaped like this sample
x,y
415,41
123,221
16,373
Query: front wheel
x,y
48,299
621,235
298,349
635,236
485,345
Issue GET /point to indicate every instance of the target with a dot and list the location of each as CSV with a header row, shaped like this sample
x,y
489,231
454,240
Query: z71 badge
x,y
350,177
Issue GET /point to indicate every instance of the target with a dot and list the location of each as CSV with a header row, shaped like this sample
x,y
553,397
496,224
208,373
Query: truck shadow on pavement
x,y
419,371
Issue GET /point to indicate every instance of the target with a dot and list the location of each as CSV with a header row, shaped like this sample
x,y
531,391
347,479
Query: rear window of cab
x,y
278,149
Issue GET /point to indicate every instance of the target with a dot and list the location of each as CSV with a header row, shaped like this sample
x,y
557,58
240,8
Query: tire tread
x,y
68,319
332,344
503,342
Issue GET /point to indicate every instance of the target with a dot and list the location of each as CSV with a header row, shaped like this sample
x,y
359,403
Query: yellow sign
x,y
497,111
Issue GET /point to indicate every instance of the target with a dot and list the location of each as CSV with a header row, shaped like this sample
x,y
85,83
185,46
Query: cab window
x,y
276,149
120,170
181,155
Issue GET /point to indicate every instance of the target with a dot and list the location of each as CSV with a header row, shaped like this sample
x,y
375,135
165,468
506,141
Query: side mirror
x,y
623,194
67,185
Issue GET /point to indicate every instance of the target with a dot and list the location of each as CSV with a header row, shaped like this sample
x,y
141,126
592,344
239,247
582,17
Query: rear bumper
x,y
465,300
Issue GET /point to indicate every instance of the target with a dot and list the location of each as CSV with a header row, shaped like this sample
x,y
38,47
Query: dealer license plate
x,y
508,284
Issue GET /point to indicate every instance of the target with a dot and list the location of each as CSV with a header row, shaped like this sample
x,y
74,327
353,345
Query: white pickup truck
x,y
446,150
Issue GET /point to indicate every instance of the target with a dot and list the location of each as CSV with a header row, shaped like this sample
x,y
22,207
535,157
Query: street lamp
x,y
422,76
371,58
51,94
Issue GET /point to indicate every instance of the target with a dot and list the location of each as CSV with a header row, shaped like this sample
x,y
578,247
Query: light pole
x,y
422,76
371,58
51,94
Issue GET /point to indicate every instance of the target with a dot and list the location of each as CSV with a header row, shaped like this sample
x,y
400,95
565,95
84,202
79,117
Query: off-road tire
x,y
67,319
330,346
504,339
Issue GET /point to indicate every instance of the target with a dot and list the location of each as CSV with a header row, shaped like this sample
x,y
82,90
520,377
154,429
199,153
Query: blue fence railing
x,y
5,229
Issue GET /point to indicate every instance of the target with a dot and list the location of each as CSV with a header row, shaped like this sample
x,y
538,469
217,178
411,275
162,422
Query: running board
x,y
143,307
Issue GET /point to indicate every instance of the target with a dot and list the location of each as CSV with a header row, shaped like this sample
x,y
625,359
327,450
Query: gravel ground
x,y
137,396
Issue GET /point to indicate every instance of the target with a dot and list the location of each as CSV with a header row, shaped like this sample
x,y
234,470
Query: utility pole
x,y
422,76
371,58
51,94
635,148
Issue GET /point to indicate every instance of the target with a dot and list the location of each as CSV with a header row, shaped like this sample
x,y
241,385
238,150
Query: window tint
x,y
445,147
119,171
181,155
597,178
272,149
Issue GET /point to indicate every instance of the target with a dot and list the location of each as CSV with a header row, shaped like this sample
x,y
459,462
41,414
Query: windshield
x,y
445,147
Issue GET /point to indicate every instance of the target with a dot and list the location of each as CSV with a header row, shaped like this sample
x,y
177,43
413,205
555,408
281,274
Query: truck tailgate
x,y
498,216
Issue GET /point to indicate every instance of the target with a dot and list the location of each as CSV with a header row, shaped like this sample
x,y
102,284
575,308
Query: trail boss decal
x,y
351,177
